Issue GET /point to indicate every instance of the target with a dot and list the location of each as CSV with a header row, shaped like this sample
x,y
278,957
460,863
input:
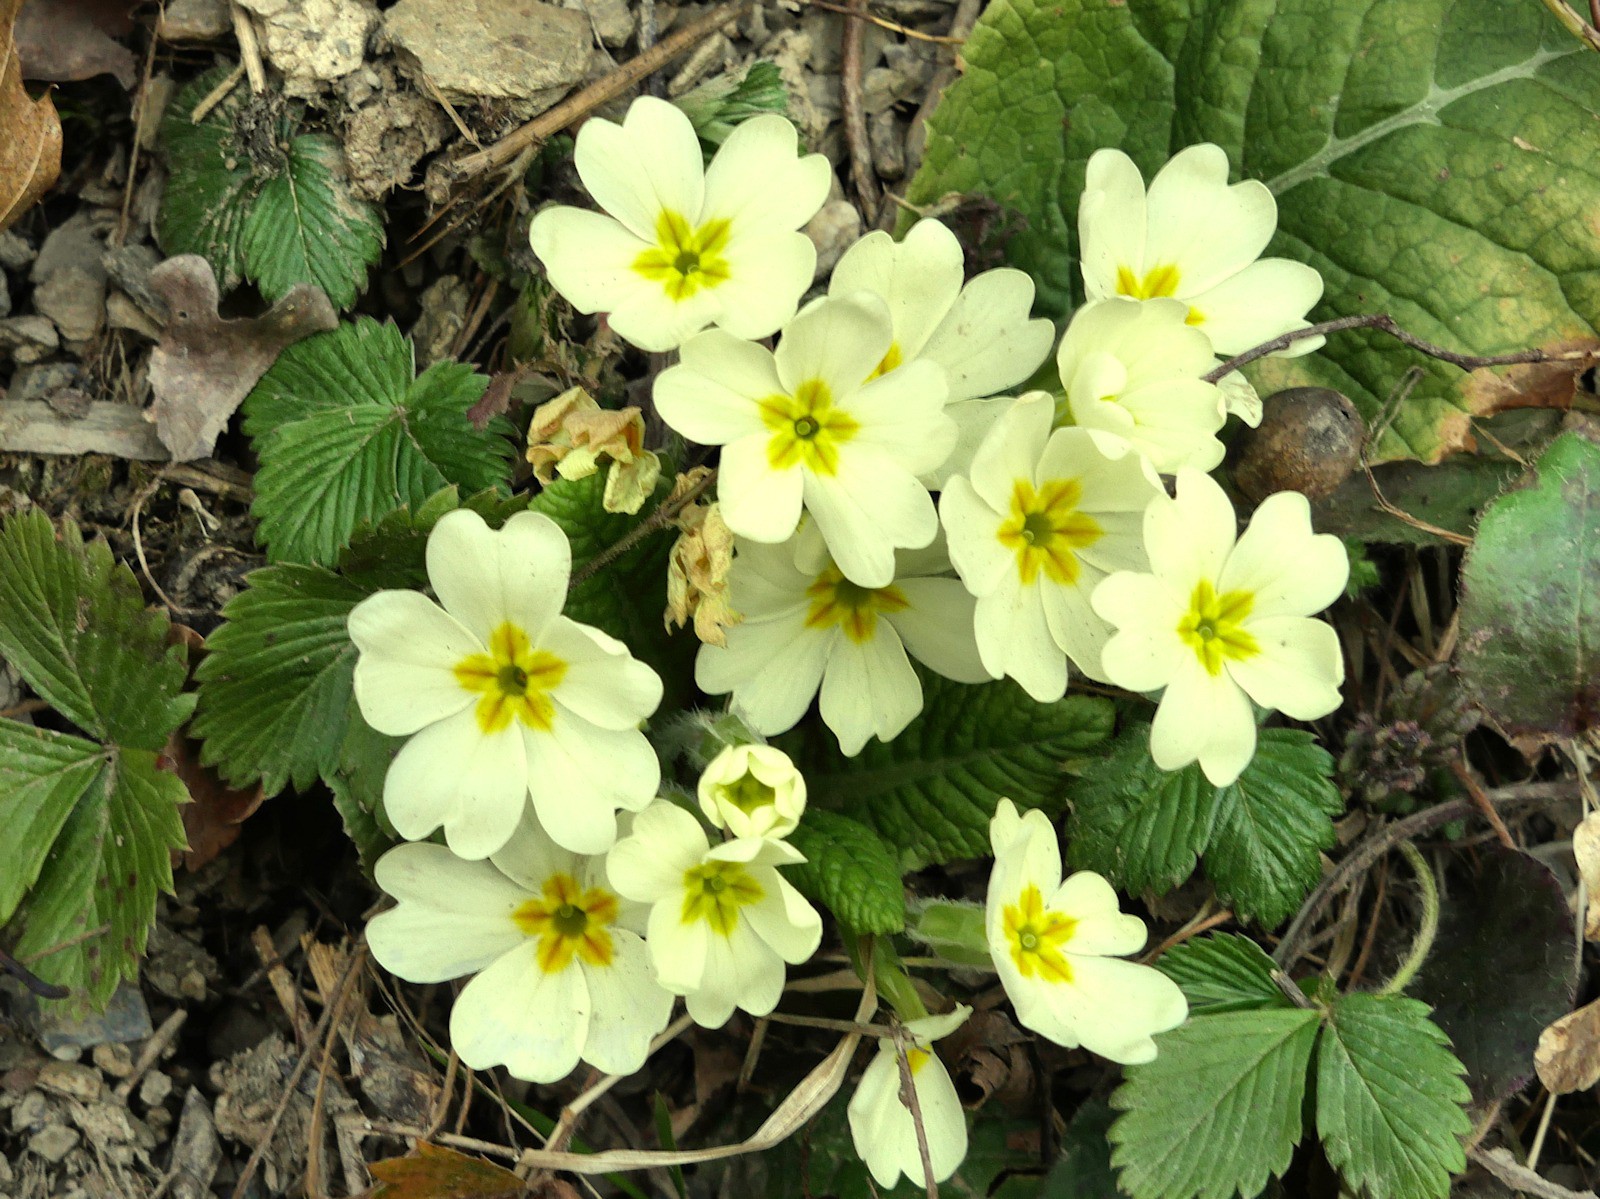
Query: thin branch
x,y
1385,323
908,1096
863,174
1422,944
664,515
10,965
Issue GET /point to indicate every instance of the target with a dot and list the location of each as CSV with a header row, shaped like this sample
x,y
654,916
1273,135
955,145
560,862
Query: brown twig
x,y
1385,323
10,965
659,519
854,14
22,709
575,108
249,48
863,174
908,1096
1186,932
1481,802
152,1051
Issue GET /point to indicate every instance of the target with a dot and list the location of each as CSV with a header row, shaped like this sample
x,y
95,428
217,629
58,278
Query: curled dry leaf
x,y
205,366
211,821
697,570
30,131
1568,1056
63,40
571,435
434,1172
1586,849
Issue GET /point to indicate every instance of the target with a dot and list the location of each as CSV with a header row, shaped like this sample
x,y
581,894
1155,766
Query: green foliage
x,y
931,792
1421,153
1259,838
1389,1098
261,203
1223,973
1083,1171
1530,598
1501,966
850,871
89,821
1218,1110
346,435
718,106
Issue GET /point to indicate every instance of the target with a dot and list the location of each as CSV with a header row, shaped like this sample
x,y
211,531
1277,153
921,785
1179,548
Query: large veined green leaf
x,y
1434,159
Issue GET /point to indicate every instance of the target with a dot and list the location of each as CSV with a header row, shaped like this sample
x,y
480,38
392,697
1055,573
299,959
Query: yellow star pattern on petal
x,y
835,600
807,430
715,891
514,681
1213,626
685,258
1045,530
569,922
1036,937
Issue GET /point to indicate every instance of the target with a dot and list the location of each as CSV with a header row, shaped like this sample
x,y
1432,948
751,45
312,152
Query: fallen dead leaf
x,y
433,1172
205,366
211,821
64,40
1586,849
1568,1056
30,131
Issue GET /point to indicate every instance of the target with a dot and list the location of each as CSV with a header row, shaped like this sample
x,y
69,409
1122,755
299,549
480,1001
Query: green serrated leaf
x,y
392,551
346,435
89,824
1140,826
1422,153
931,792
1083,1171
275,688
1530,598
1223,973
1218,1111
1389,1099
849,871
1271,825
307,227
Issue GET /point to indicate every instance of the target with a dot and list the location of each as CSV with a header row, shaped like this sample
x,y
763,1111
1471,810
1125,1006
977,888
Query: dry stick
x,y
573,109
1373,848
121,233
216,95
863,175
1385,323
22,709
1481,802
153,1049
313,1184
855,14
1576,25
270,1130
657,520
908,1096
249,48
10,965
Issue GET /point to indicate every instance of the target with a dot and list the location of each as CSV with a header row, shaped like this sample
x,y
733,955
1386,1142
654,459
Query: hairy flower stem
x,y
1423,944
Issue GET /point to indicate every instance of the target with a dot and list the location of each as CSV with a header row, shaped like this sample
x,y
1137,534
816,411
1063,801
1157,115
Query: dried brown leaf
x,y
1586,849
1568,1057
30,131
205,366
434,1172
63,40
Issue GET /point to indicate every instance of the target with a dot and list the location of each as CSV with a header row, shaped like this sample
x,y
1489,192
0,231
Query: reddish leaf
x,y
433,1172
212,820
30,131
62,40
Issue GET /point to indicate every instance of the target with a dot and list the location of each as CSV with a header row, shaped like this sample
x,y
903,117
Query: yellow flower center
x,y
715,891
835,600
807,430
1045,530
891,359
514,680
685,259
1214,626
569,922
1157,281
1036,937
748,793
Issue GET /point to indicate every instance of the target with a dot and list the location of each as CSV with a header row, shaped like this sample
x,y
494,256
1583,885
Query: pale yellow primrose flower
x,y
504,695
1136,370
1044,517
980,334
561,971
1197,239
722,921
1219,623
685,246
806,627
1056,946
805,425
881,1124
753,791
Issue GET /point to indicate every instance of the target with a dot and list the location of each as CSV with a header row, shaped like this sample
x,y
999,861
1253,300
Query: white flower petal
x,y
1206,228
1265,299
938,630
1298,670
650,318
839,340
1205,717
649,863
759,179
455,775
517,1016
768,273
973,420
1189,538
1011,450
758,502
712,395
902,415
1101,929
773,668
405,674
919,279
986,343
603,684
783,919
973,527
867,509
944,1123
589,258
530,857
582,774
678,950
1146,651
628,1007
1073,626
1111,221
453,919
875,1120
869,688
753,969
1014,640
1290,570
1112,1008
486,578
648,165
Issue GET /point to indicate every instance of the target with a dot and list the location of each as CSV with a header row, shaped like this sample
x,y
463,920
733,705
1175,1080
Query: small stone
x,y
30,1113
444,312
70,280
314,41
713,53
27,339
53,1143
613,19
71,1081
833,230
494,49
154,1088
1309,441
115,1061
5,295
194,20
384,141
41,381
15,253
887,135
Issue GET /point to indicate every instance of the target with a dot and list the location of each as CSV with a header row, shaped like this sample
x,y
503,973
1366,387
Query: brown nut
x,y
1309,441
